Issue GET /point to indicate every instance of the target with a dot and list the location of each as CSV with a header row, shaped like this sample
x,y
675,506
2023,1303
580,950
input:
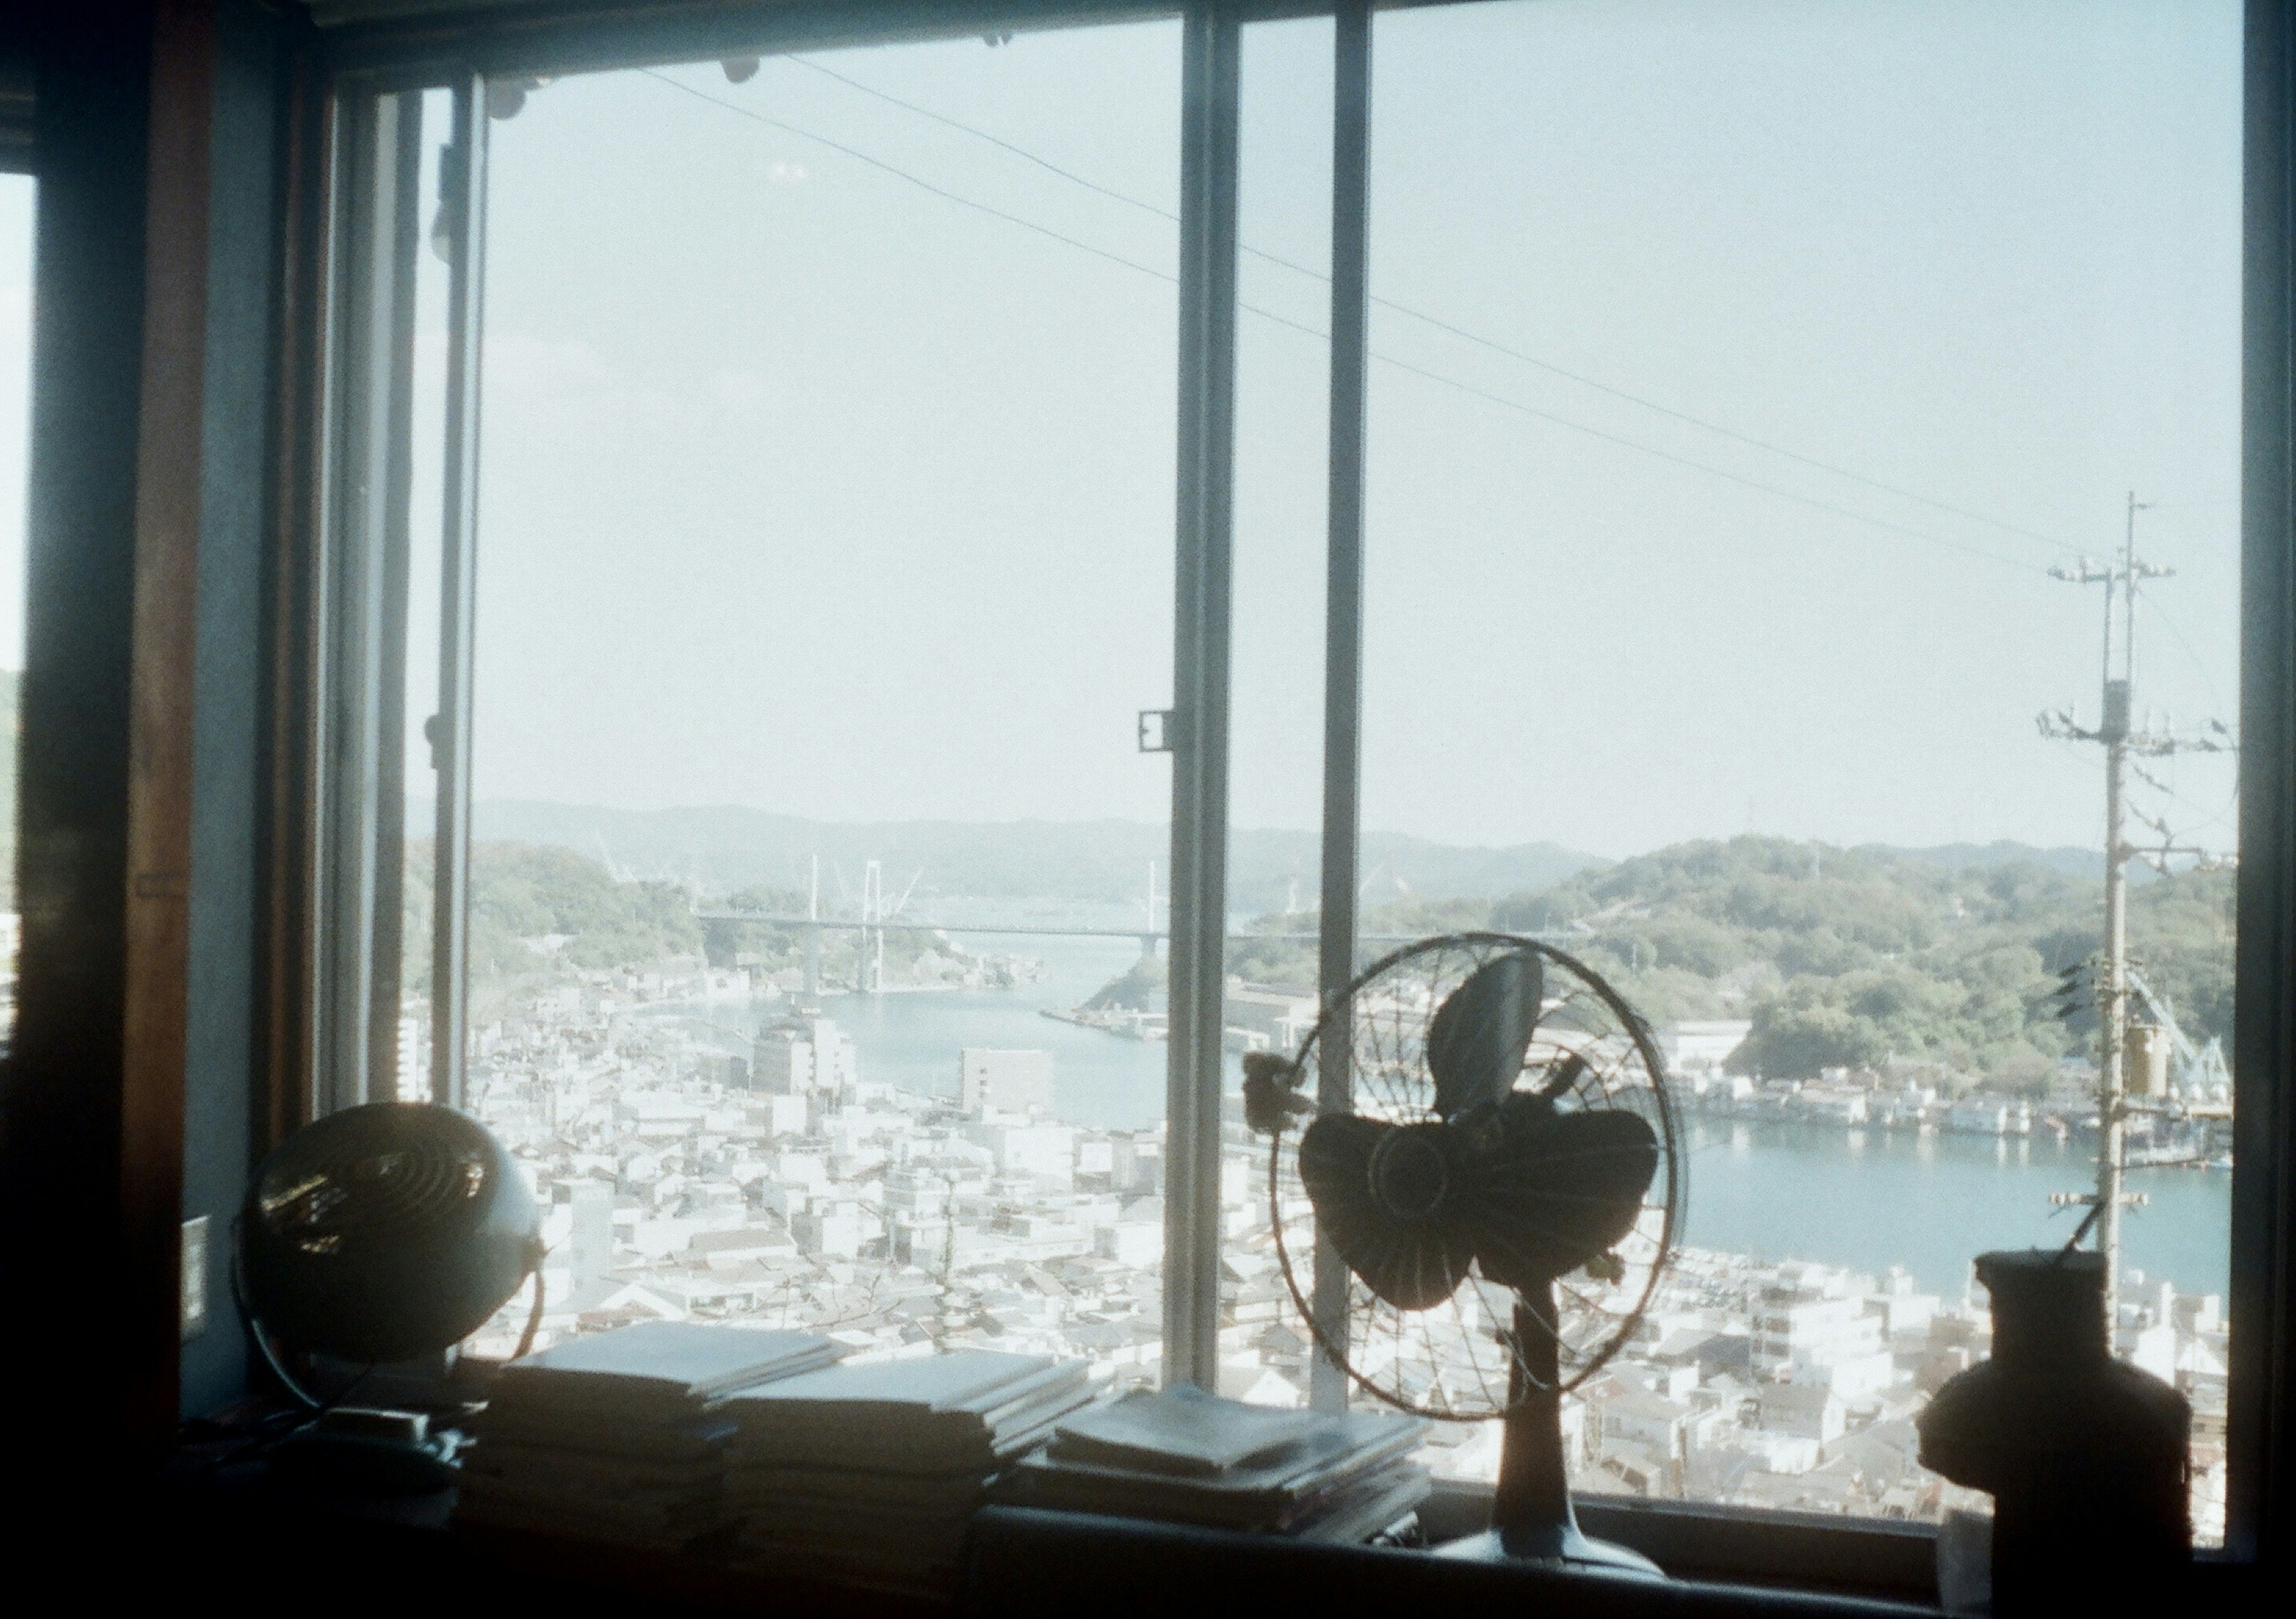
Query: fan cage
x,y
1625,1043
389,1171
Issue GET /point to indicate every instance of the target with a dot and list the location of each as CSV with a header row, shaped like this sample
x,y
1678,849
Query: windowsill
x,y
1790,1550
1746,1549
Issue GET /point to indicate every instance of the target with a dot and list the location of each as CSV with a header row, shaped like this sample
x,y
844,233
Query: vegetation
x,y
1861,958
534,908
539,911
1845,958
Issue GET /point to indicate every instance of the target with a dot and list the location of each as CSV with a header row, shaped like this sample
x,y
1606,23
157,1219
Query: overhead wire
x,y
1454,330
1509,351
1273,317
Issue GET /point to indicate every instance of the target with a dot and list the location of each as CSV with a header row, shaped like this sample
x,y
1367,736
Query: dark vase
x,y
2086,1457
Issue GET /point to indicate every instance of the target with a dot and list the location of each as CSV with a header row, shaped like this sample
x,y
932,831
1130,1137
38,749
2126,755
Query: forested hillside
x,y
1853,957
536,911
1856,958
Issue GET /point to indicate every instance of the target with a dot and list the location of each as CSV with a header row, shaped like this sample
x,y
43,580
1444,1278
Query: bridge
x,y
1033,929
813,927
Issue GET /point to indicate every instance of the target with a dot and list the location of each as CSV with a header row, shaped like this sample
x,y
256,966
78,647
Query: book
x,y
659,1364
973,1408
1341,1447
1184,1456
1351,1515
622,1436
1181,1430
592,1432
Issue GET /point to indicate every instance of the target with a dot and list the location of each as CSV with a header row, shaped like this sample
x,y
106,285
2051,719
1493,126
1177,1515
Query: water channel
x,y
1868,1198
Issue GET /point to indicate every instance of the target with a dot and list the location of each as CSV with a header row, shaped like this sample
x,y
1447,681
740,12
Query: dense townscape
x,y
771,1182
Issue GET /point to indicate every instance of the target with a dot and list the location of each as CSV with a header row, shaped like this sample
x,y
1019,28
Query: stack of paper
x,y
870,1474
1189,1457
622,1436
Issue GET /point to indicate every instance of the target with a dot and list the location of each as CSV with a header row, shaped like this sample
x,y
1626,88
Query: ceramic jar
x,y
2086,1457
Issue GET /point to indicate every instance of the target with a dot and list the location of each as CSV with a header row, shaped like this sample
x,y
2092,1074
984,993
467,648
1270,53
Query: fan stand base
x,y
1557,1545
1531,1517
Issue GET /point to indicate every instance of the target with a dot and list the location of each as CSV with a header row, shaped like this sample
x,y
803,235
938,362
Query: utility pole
x,y
2115,732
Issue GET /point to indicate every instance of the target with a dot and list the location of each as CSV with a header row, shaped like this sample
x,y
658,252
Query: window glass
x,y
1275,778
1743,375
409,1054
15,436
825,563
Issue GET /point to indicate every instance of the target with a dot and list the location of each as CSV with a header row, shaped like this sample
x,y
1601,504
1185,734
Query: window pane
x,y
1744,371
825,561
15,435
409,1055
1276,773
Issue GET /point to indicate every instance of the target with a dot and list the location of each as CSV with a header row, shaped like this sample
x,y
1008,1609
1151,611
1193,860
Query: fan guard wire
x,y
1588,993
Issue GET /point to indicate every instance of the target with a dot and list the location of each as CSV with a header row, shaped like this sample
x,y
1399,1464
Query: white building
x,y
802,1056
1815,1339
1268,1017
1044,1155
992,1081
1702,1045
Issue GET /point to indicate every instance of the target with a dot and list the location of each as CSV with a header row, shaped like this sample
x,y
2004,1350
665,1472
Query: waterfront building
x,y
990,1080
1805,1335
1044,1155
1268,1017
898,1222
1703,1047
802,1056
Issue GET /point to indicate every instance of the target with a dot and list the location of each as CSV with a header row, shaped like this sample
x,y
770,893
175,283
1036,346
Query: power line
x,y
1271,317
1440,324
924,185
1715,471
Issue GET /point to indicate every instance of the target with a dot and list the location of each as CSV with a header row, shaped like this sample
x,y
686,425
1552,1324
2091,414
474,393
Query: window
x,y
1737,379
824,566
1730,412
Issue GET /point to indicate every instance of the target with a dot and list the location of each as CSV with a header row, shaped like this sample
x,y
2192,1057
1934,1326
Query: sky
x,y
837,480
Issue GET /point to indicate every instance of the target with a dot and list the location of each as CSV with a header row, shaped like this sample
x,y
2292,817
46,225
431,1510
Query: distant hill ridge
x,y
1863,957
1094,863
1101,862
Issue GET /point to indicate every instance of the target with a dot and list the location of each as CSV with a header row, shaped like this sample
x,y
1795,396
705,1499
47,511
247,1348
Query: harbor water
x,y
1866,1198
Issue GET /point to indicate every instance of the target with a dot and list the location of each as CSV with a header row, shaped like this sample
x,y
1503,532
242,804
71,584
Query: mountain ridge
x,y
1102,862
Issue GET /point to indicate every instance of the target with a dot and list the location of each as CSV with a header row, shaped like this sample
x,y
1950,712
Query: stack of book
x,y
622,1437
870,1474
1187,1457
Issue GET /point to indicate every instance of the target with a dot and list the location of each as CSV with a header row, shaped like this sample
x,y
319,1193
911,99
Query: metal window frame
x,y
1212,51
354,870
366,62
1343,585
2260,1497
462,194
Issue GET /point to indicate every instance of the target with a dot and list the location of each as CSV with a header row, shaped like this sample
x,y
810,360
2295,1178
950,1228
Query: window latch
x,y
1157,729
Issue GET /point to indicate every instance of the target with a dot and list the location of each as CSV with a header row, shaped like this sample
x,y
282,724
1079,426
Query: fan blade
x,y
1562,1189
1412,1262
1476,1044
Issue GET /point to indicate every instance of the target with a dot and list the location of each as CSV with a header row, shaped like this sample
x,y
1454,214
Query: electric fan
x,y
379,1234
1489,1207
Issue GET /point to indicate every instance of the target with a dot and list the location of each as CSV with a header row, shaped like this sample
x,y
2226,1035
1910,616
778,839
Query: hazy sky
x,y
807,488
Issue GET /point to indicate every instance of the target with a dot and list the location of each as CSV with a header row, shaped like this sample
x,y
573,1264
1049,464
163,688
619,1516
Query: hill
x,y
1084,864
1860,957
